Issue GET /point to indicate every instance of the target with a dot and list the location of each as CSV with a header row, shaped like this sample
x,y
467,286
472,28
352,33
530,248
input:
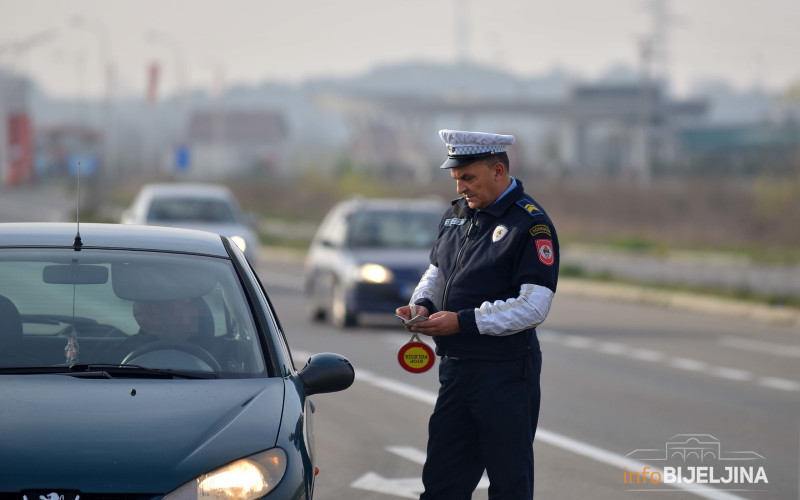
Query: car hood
x,y
130,436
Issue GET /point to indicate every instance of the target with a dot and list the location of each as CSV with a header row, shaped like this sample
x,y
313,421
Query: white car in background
x,y
207,207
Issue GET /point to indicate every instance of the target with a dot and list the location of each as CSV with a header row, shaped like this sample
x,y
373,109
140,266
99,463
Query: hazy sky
x,y
746,42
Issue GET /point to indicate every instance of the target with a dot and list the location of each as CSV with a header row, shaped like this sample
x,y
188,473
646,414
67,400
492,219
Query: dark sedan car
x,y
144,363
367,256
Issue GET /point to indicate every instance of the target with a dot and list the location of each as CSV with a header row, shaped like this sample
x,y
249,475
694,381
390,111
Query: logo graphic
x,y
499,233
53,496
692,447
696,459
545,250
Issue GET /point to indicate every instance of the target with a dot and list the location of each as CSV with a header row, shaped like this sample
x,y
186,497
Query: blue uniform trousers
x,y
485,418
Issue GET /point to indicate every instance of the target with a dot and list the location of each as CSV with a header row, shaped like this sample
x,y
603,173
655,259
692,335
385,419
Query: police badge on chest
x,y
499,233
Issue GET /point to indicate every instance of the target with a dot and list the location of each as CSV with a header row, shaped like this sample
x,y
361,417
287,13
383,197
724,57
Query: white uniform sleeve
x,y
424,289
506,317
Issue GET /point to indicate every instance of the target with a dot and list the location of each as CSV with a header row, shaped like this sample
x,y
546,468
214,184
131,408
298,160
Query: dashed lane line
x,y
731,373
750,345
679,362
779,383
542,435
687,364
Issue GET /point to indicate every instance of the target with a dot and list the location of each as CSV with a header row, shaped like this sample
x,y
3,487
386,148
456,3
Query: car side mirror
x,y
327,372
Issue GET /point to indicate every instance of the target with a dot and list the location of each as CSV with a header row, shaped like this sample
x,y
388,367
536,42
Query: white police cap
x,y
468,147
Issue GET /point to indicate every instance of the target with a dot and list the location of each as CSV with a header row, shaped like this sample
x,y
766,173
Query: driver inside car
x,y
182,320
170,319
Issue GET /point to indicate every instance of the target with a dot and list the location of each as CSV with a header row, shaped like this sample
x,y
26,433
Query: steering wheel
x,y
178,345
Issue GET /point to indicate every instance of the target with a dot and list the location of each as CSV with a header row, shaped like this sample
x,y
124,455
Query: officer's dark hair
x,y
498,157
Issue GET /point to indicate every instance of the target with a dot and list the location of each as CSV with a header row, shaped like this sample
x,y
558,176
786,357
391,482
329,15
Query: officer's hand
x,y
441,323
405,312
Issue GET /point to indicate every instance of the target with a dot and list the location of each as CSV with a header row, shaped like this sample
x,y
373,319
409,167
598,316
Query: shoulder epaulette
x,y
529,207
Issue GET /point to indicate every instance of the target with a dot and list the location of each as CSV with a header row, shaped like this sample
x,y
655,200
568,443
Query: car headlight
x,y
239,242
375,273
245,479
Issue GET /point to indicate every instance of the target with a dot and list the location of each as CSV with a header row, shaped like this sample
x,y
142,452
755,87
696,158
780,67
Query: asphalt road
x,y
622,383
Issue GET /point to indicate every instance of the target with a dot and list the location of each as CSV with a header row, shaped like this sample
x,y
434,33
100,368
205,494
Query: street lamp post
x,y
218,93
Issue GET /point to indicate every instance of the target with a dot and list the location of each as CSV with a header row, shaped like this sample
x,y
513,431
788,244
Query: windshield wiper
x,y
114,371
108,370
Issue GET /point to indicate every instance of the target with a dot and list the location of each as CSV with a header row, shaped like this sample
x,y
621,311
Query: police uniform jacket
x,y
498,269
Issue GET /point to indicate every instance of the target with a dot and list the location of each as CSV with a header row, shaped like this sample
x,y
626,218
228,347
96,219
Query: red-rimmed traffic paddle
x,y
416,356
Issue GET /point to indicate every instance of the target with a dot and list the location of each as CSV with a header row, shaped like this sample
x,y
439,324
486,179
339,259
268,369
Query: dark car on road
x,y
367,256
141,362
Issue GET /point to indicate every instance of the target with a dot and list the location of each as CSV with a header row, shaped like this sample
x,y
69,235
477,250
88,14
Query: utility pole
x,y
462,31
653,89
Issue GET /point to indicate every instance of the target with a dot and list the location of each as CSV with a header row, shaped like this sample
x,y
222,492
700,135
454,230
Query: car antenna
x,y
77,244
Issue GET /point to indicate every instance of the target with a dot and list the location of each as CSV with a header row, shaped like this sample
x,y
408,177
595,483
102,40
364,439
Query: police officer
x,y
491,281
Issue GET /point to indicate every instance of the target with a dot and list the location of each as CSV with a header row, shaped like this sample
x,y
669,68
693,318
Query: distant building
x,y
236,143
594,128
59,149
744,149
623,127
16,131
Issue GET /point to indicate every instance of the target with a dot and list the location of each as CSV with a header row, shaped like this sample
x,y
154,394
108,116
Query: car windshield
x,y
191,209
157,310
409,229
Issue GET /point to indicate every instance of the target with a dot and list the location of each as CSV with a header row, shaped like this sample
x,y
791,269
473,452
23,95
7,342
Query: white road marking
x,y
577,341
647,355
613,348
542,435
787,351
682,363
779,383
406,487
372,480
409,453
731,373
691,365
397,387
409,487
547,335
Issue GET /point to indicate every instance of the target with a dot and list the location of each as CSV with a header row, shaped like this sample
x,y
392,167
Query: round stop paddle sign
x,y
416,356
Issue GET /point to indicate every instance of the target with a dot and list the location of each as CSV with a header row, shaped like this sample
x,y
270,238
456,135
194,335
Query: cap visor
x,y
463,161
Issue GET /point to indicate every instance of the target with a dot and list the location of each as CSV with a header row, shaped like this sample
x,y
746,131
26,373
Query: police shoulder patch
x,y
545,250
529,207
540,229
